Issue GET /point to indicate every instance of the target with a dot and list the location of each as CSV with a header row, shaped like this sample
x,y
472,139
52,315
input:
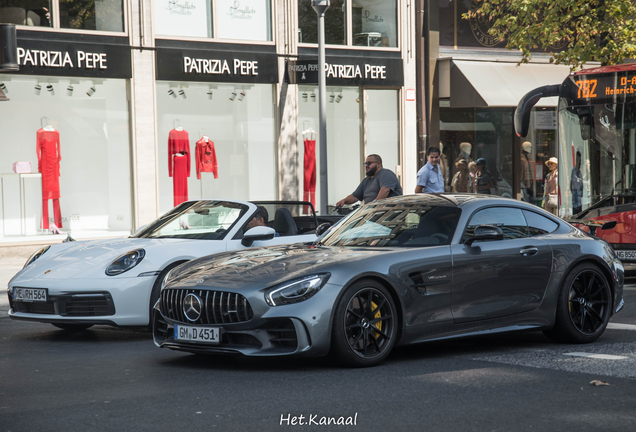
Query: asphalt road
x,y
109,379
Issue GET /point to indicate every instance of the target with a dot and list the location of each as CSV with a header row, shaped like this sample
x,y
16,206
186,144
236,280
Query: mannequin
x,y
179,162
309,165
49,157
205,157
550,191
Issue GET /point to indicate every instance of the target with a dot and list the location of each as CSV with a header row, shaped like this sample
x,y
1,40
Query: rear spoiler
x,y
522,113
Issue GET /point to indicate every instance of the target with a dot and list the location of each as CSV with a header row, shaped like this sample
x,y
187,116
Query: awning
x,y
499,84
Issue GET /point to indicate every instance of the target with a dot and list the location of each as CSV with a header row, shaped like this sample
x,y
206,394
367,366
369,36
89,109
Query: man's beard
x,y
372,171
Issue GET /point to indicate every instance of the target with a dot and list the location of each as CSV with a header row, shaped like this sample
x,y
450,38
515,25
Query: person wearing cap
x,y
484,179
526,166
550,190
429,177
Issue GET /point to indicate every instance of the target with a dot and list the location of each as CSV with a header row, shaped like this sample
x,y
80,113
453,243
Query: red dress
x,y
309,183
179,163
49,157
205,157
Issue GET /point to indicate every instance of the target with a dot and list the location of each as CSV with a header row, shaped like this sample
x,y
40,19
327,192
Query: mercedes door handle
x,y
528,251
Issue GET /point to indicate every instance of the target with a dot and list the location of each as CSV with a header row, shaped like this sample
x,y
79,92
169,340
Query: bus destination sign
x,y
614,88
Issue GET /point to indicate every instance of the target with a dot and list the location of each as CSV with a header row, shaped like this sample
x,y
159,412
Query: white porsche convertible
x,y
75,285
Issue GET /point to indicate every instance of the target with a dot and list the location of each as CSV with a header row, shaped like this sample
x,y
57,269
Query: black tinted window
x,y
538,224
510,220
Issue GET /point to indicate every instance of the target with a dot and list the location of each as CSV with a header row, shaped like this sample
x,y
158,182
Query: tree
x,y
572,32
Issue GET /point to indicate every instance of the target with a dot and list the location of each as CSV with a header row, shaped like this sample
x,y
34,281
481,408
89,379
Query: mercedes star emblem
x,y
192,307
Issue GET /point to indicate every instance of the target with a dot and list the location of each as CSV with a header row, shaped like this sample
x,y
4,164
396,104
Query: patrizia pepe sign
x,y
380,71
217,63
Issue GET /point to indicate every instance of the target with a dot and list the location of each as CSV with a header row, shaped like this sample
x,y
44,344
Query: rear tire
x,y
584,306
73,327
365,325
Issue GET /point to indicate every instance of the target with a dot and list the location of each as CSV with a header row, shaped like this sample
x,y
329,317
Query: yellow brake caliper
x,y
377,315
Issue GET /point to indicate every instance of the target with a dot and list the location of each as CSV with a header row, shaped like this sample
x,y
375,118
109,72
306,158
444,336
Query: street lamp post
x,y
321,6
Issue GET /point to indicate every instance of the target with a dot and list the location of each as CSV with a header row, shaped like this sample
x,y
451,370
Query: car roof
x,y
448,199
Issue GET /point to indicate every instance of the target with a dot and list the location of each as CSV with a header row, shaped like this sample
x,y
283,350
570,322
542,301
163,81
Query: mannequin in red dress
x,y
205,157
309,183
49,157
179,163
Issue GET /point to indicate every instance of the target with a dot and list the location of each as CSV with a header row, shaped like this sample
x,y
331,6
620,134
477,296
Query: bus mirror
x,y
522,113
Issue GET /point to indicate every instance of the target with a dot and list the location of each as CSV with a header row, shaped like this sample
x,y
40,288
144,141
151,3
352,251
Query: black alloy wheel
x,y
366,325
584,306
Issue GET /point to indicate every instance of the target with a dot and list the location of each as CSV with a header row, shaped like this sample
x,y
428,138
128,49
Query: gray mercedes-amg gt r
x,y
395,272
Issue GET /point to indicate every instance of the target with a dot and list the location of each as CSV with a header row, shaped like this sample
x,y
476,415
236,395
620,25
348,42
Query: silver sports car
x,y
398,271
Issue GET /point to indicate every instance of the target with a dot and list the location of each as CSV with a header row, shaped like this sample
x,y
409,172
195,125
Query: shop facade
x,y
188,100
478,88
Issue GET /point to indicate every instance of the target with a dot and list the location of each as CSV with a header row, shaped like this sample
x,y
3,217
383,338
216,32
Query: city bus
x,y
596,152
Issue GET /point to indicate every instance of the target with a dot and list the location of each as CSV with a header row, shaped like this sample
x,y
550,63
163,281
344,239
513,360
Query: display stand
x,y
21,179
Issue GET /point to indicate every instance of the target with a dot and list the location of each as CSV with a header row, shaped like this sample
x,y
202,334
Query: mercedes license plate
x,y
197,334
29,294
626,255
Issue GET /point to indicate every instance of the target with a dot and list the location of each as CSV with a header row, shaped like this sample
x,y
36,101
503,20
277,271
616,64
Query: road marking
x,y
629,289
619,326
596,356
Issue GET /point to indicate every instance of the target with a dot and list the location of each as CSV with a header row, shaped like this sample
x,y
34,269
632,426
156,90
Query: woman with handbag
x,y
550,190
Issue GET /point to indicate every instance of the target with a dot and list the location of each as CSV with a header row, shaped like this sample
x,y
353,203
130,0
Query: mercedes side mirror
x,y
608,225
485,232
256,234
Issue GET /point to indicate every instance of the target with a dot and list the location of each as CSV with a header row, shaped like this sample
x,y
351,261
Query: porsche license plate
x,y
29,294
626,255
198,334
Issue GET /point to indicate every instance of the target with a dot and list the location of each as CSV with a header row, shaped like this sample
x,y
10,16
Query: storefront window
x,y
374,23
335,23
36,13
215,141
345,153
70,140
100,15
474,133
536,149
229,19
344,142
245,20
383,127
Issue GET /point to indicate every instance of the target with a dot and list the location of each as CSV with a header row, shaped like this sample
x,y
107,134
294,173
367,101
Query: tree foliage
x,y
572,32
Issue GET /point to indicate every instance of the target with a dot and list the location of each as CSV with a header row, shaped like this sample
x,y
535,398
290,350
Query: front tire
x,y
584,306
365,325
73,327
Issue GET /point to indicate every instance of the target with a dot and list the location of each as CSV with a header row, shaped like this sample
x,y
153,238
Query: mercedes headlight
x,y
37,254
125,262
296,291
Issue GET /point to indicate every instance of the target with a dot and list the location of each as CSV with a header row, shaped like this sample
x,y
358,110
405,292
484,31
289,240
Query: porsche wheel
x,y
73,327
365,326
156,289
584,306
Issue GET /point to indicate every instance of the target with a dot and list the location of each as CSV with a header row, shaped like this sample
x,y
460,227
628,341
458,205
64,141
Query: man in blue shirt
x,y
379,183
429,177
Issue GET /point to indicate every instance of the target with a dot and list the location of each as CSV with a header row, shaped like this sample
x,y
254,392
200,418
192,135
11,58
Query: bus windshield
x,y
597,154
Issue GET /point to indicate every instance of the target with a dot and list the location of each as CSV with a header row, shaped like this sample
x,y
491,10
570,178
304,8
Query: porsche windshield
x,y
396,225
207,220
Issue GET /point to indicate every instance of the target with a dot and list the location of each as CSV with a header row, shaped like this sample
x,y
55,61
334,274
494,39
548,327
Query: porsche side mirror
x,y
256,234
485,232
322,228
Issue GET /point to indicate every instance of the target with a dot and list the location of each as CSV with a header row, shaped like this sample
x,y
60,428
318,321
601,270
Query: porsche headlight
x,y
296,291
37,254
125,262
